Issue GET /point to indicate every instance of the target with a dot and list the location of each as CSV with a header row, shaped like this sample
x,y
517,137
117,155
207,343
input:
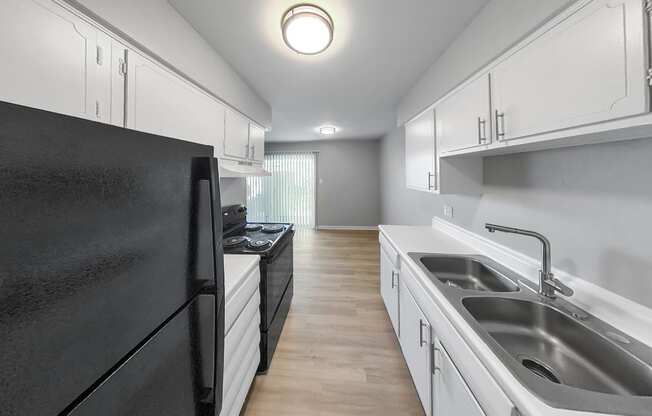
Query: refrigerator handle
x,y
218,268
209,170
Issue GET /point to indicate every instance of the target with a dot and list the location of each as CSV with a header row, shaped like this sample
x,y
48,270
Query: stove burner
x,y
253,227
273,228
259,244
235,241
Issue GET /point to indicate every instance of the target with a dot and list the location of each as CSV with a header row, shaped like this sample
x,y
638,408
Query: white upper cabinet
x,y
588,68
110,80
464,118
160,102
256,143
420,161
118,84
236,137
48,58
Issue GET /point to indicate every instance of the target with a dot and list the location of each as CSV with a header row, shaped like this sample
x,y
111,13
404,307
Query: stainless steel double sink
x,y
567,357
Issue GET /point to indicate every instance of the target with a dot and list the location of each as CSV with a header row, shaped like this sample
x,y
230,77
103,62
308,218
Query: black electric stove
x,y
255,238
273,243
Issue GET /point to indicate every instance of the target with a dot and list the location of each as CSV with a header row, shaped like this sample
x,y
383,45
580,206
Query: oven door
x,y
275,273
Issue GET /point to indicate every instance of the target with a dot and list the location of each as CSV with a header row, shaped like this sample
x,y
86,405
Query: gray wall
x,y
594,202
233,191
348,192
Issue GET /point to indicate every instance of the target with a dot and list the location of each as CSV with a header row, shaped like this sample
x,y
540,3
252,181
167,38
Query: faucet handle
x,y
557,286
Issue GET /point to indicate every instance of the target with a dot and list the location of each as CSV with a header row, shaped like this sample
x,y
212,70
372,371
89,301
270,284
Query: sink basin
x,y
548,346
466,273
562,354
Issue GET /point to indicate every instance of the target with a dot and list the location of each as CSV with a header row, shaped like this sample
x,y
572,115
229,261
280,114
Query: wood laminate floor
x,y
338,354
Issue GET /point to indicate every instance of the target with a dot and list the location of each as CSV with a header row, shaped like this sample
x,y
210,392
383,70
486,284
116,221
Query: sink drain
x,y
540,370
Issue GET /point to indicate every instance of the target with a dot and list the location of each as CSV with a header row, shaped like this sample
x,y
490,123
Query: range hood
x,y
235,169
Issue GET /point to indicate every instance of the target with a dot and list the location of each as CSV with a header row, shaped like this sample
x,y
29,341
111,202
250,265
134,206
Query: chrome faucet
x,y
548,284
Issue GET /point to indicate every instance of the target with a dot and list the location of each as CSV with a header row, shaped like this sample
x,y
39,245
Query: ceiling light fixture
x,y
307,29
327,130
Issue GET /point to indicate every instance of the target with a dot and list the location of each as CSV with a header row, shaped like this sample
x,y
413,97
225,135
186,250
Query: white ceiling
x,y
380,49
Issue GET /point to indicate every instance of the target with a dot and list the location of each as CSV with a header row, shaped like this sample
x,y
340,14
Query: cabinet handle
x,y
500,125
253,152
394,274
246,151
434,359
482,130
422,324
430,185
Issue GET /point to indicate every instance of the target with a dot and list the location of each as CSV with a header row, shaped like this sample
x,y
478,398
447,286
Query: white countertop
x,y
406,239
236,269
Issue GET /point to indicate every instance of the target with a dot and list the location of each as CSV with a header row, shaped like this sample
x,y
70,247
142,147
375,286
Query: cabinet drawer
x,y
236,303
387,247
250,316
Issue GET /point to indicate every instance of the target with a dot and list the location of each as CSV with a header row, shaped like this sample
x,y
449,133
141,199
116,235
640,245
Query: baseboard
x,y
348,227
622,313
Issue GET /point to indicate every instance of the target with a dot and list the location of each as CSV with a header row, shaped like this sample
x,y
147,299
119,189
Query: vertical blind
x,y
289,194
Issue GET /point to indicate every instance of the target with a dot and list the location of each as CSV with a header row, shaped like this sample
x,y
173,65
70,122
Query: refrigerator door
x,y
101,245
164,377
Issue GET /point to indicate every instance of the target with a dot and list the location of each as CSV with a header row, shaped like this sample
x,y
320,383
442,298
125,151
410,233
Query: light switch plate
x,y
448,211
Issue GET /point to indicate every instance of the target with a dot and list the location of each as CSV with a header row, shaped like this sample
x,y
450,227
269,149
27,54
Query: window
x,y
288,195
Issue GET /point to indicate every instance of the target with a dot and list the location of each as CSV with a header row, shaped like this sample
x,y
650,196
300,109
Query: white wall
x,y
593,202
156,26
498,26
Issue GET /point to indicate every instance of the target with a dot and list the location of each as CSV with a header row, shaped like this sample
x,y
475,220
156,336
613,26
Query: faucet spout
x,y
548,285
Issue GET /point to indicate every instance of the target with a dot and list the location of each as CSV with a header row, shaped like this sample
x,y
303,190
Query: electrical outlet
x,y
448,211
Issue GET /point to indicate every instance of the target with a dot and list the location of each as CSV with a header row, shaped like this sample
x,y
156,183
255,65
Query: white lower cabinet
x,y
416,343
389,284
451,394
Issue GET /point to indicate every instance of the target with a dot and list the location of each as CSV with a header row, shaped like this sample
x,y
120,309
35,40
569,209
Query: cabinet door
x,y
415,343
163,103
451,394
118,101
420,153
236,136
464,119
256,143
110,80
389,288
48,57
588,68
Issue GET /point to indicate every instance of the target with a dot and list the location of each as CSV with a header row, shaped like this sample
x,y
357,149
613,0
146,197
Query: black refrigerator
x,y
111,270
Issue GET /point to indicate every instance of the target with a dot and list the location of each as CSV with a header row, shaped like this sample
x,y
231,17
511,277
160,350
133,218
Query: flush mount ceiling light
x,y
327,130
307,29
